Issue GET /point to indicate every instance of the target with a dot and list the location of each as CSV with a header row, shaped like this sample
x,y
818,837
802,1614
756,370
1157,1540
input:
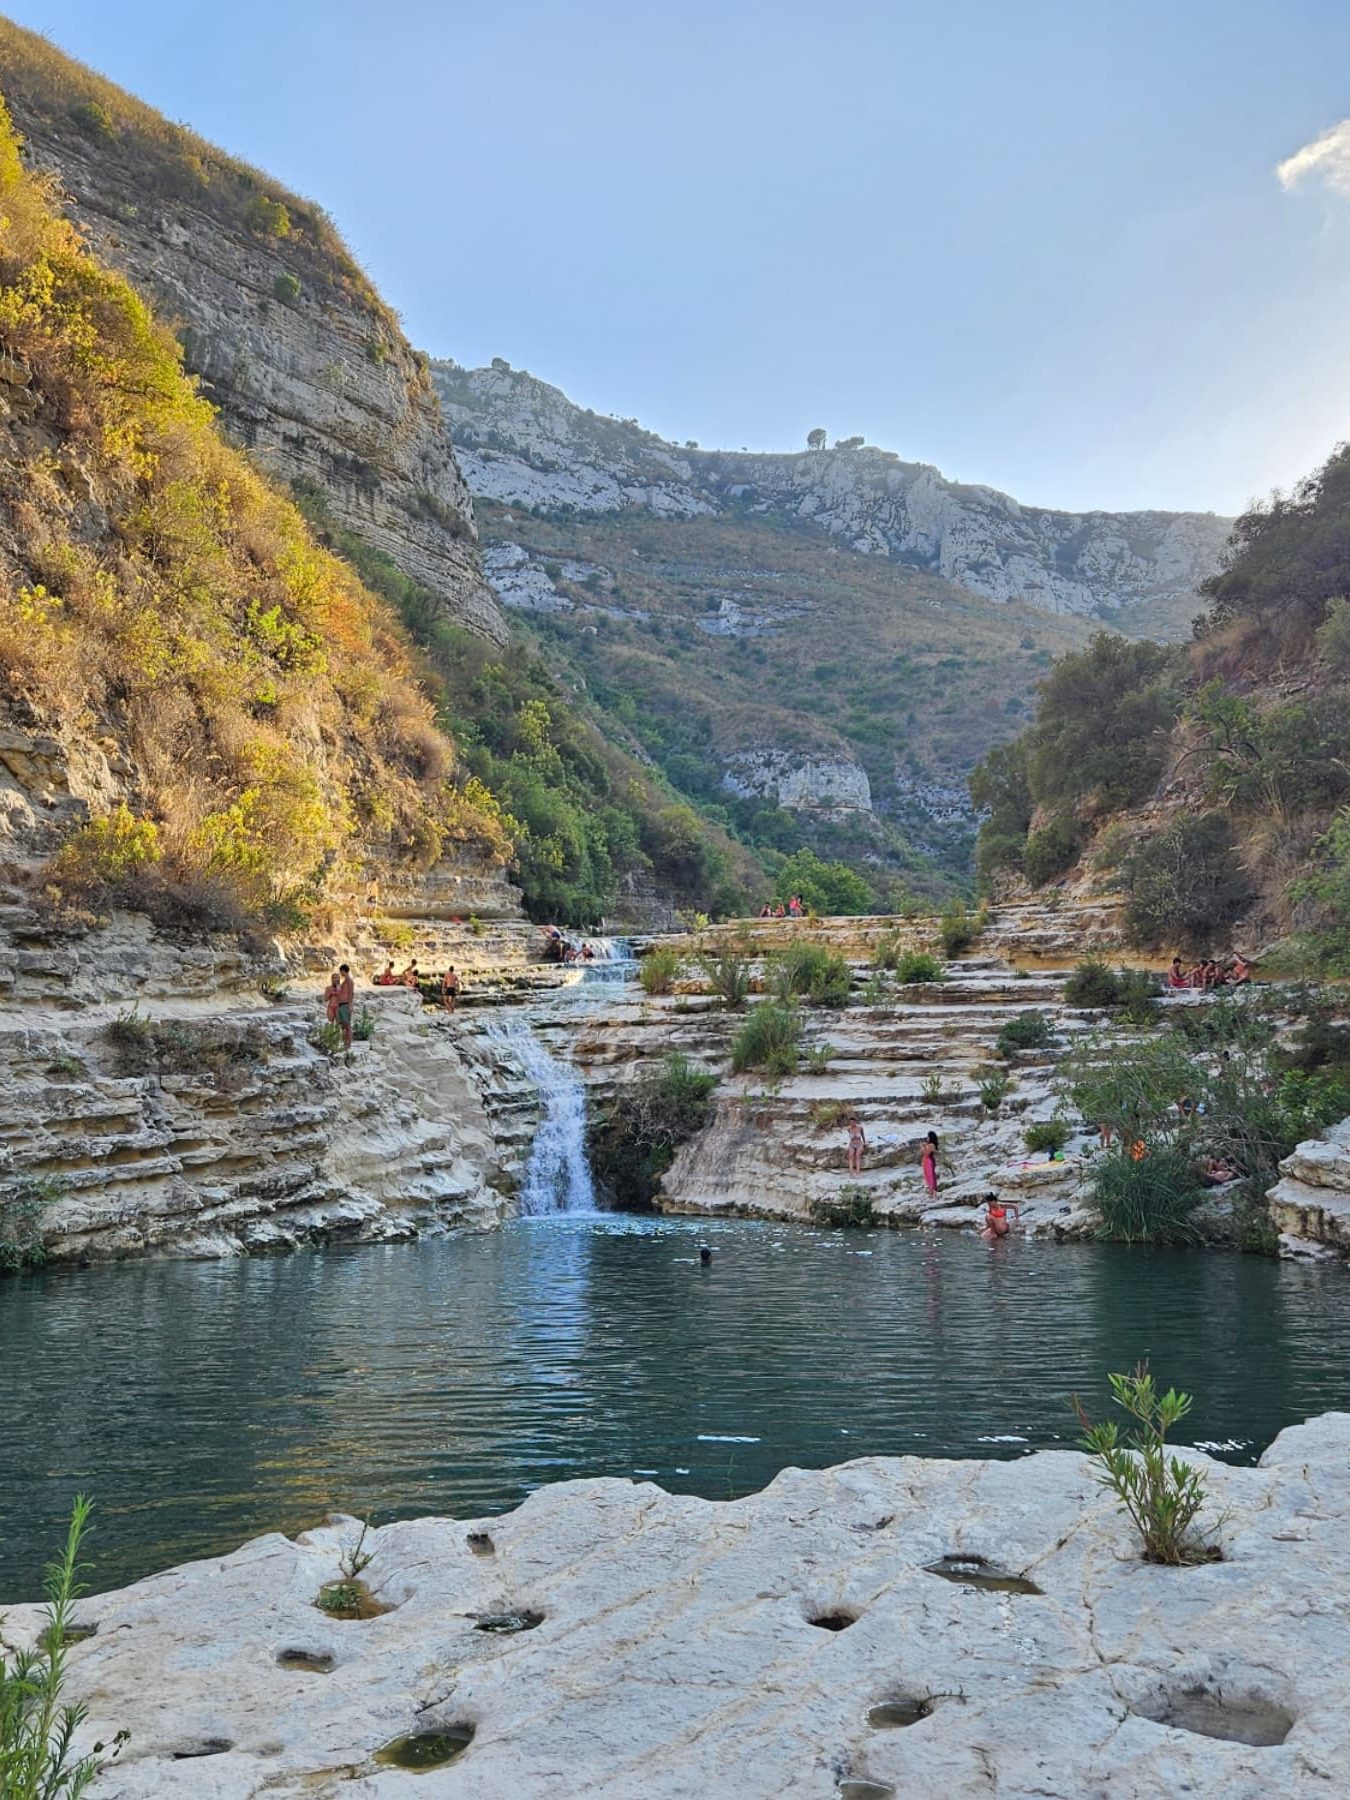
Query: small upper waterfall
x,y
558,1177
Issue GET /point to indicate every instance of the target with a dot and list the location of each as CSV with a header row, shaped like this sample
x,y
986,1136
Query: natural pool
x,y
200,1403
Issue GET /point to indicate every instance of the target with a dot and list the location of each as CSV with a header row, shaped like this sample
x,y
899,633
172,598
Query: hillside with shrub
x,y
238,716
1210,783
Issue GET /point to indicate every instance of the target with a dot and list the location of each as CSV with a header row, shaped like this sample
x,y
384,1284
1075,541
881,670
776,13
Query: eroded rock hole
x,y
833,1621
892,1715
427,1749
1234,1718
857,1787
979,1572
505,1622
480,1542
308,1662
206,1747
349,1599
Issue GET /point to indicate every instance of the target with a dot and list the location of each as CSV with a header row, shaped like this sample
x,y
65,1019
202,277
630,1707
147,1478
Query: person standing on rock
x,y
449,989
345,997
857,1143
928,1161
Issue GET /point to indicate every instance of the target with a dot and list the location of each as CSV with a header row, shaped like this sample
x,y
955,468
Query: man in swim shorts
x,y
346,994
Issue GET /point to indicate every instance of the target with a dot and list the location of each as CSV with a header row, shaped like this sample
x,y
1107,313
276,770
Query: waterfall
x,y
558,1176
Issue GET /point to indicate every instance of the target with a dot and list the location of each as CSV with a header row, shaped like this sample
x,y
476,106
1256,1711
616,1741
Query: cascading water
x,y
558,1176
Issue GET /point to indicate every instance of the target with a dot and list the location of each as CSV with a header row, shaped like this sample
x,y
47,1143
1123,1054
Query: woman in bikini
x,y
928,1158
857,1143
996,1218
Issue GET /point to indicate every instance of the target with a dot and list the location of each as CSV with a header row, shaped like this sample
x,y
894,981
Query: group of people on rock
x,y
794,909
1231,971
559,948
996,1223
451,982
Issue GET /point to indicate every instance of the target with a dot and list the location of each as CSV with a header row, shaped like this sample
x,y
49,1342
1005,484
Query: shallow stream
x,y
201,1403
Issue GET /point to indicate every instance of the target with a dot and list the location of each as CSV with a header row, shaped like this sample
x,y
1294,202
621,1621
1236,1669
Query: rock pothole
x,y
350,1599
837,1620
480,1542
858,1787
1233,1717
422,1750
210,1746
979,1572
896,1713
504,1623
307,1662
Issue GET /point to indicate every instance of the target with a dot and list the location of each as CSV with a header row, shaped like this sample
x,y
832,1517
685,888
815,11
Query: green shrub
x,y
267,217
811,971
327,1037
363,1025
728,973
1028,1030
1333,636
1138,995
993,1086
1186,883
852,1208
23,1199
94,120
1046,1134
957,930
286,288
887,950
1050,851
1149,1201
36,1728
659,970
825,887
769,1039
1162,1495
933,1088
917,966
876,989
633,1142
1092,984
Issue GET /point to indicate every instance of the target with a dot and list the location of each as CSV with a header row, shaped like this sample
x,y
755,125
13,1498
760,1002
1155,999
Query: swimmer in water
x,y
996,1218
705,1254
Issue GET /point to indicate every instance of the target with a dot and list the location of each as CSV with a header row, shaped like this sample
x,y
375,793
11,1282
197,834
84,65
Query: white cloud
x,y
1325,159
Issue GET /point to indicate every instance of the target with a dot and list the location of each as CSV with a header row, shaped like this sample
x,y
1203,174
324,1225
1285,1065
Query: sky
x,y
1094,255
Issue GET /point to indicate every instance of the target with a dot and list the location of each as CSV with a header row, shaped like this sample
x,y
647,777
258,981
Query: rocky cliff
x,y
524,443
308,367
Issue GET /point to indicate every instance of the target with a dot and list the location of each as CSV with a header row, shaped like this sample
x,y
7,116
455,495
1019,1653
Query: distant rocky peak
x,y
524,443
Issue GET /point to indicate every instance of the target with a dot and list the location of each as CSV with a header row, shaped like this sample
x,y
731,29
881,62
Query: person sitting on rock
x,y
1176,975
996,1218
1239,970
410,977
386,976
449,989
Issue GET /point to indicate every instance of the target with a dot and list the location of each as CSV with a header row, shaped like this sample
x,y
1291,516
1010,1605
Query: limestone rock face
x,y
322,387
799,782
693,1647
1310,1204
524,443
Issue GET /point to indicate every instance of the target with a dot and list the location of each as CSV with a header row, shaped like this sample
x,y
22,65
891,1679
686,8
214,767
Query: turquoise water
x,y
201,1403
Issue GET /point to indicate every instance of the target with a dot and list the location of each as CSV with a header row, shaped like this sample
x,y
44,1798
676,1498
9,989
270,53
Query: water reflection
x,y
200,1403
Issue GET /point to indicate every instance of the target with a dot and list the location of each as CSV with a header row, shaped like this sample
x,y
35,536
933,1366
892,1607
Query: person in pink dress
x,y
928,1157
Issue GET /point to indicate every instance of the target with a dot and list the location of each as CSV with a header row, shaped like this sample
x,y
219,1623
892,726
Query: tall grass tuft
x,y
1162,1495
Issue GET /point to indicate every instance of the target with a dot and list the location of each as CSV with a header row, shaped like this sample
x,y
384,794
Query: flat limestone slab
x,y
677,1654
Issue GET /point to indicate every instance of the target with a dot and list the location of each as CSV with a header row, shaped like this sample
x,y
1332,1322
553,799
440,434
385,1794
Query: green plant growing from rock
x,y
327,1037
23,1200
659,970
993,1085
348,1597
933,1088
810,972
728,975
37,1729
1162,1495
818,1058
876,989
633,1142
958,928
1046,1134
1029,1030
363,1025
770,1039
917,966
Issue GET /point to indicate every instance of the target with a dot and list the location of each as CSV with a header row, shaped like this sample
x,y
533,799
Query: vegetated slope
x,y
307,364
1212,782
803,685
183,667
799,693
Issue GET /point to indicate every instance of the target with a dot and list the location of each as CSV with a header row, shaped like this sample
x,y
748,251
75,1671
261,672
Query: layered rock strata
x,y
891,1627
1310,1204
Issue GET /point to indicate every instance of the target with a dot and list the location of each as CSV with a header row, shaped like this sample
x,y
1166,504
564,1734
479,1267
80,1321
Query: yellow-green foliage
x,y
165,596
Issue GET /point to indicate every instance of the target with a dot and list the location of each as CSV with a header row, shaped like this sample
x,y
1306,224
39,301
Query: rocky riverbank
x,y
843,1633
